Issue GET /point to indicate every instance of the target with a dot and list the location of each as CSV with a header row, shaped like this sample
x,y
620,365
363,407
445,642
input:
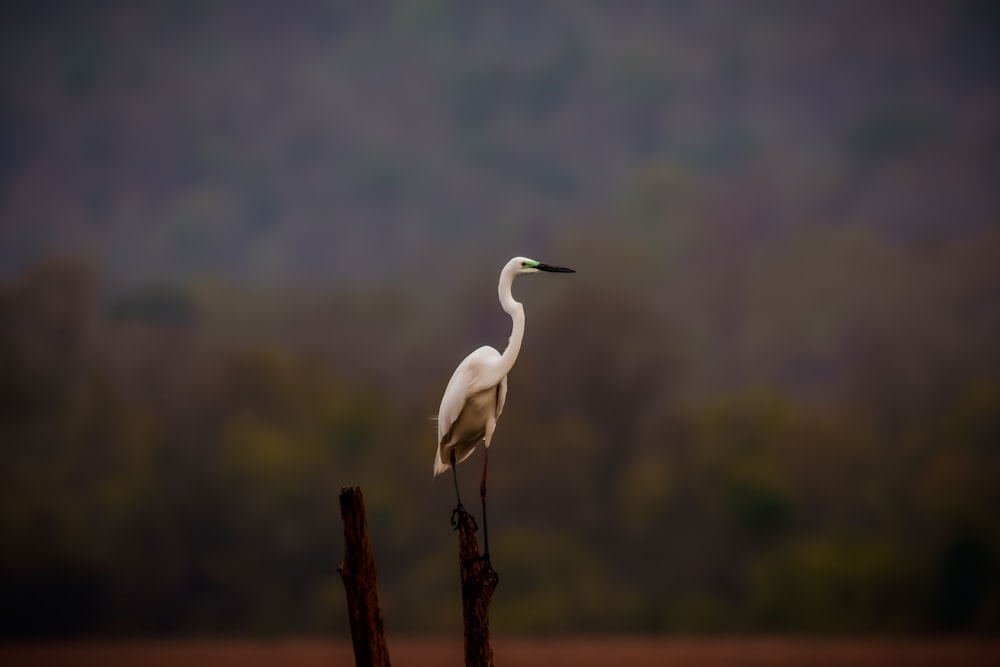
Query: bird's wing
x,y
501,395
471,376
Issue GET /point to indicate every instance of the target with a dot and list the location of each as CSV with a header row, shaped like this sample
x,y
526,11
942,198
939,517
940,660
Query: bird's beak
x,y
554,269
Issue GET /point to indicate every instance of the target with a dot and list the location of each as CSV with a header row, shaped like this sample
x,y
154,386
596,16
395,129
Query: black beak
x,y
554,269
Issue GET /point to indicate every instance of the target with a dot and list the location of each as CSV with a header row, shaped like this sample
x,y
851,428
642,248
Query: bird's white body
x,y
475,395
470,407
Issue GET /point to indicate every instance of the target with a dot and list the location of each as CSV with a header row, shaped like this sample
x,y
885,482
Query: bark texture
x,y
479,580
359,575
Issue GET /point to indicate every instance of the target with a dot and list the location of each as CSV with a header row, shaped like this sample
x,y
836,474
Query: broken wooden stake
x,y
358,572
479,580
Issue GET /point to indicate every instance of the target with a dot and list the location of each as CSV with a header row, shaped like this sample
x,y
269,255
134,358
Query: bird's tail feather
x,y
439,465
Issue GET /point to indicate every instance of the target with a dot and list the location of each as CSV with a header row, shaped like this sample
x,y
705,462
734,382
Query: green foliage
x,y
541,571
184,478
833,585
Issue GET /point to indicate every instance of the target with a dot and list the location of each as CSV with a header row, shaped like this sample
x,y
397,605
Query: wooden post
x,y
358,572
479,580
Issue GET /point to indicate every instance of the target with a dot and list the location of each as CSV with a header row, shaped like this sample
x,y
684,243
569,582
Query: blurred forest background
x,y
244,244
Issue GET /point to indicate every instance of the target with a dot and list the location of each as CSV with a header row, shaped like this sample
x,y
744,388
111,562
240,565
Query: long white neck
x,y
516,312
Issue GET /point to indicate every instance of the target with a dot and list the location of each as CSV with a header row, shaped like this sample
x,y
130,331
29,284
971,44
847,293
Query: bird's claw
x,y
457,516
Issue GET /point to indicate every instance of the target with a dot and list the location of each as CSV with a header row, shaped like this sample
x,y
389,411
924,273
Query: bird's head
x,y
519,265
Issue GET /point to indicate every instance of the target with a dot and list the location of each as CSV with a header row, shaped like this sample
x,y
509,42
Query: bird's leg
x,y
454,475
482,496
459,511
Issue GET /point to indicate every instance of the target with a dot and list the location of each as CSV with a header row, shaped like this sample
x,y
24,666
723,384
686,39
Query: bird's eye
x,y
524,265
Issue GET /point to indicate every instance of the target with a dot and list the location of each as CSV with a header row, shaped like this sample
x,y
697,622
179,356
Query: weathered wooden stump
x,y
359,574
479,580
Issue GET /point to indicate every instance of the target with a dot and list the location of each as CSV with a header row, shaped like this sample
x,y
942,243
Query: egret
x,y
474,397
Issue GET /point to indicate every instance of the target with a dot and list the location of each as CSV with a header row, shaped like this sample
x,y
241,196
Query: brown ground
x,y
583,651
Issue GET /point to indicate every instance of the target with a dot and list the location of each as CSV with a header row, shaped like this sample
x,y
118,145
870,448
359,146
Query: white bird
x,y
474,397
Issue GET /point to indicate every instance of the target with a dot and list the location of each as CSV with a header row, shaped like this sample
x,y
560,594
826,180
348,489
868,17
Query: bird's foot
x,y
457,516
